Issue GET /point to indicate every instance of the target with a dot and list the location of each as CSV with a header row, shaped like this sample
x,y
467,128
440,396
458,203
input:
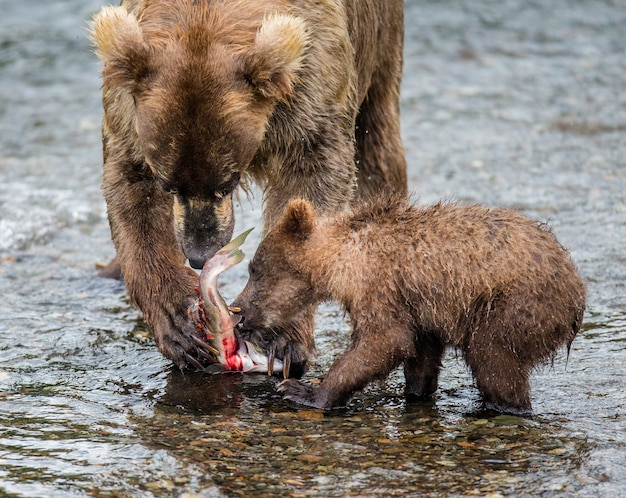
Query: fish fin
x,y
235,243
234,257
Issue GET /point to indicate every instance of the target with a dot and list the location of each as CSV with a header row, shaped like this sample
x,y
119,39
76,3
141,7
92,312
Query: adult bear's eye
x,y
170,189
228,187
232,183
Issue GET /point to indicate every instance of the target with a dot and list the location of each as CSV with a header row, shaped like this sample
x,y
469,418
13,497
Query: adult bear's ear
x,y
298,220
119,44
273,63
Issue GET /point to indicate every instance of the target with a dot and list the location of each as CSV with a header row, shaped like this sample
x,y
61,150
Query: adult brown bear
x,y
200,95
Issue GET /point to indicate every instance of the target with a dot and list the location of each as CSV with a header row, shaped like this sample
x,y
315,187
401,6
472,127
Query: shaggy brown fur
x,y
200,95
489,282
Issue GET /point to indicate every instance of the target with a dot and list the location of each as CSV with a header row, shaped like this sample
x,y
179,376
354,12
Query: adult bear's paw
x,y
180,337
174,317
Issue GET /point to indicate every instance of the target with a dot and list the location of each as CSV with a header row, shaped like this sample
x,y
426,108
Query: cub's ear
x,y
119,44
298,219
273,63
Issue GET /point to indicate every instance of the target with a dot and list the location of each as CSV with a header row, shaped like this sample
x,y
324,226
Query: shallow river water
x,y
510,103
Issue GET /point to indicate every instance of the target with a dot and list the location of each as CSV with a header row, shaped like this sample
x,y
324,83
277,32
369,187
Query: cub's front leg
x,y
371,356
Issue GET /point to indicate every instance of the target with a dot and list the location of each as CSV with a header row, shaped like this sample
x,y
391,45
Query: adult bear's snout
x,y
203,227
196,259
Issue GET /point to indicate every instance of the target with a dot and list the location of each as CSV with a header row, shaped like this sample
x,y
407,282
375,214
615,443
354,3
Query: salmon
x,y
231,351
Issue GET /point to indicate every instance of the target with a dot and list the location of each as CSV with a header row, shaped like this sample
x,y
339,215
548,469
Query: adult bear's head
x,y
204,78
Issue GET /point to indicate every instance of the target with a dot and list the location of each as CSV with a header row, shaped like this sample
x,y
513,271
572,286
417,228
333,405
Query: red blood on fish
x,y
230,345
234,362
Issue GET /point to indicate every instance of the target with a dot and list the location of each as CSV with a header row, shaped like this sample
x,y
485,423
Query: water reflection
x,y
210,393
388,447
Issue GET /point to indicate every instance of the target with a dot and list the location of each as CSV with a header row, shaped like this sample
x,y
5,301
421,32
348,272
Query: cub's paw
x,y
302,393
295,355
295,359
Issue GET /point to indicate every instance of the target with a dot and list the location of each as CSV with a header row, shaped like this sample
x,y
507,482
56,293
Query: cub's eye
x,y
253,271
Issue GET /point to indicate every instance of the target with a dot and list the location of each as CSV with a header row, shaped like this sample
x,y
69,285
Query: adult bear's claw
x,y
205,348
192,361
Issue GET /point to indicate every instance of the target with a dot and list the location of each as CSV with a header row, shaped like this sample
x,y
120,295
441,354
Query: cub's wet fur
x,y
491,283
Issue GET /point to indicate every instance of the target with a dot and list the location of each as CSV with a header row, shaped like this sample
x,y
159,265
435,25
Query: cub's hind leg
x,y
421,371
496,352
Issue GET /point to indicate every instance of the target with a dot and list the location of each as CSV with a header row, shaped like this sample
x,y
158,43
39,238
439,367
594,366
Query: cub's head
x,y
201,94
279,299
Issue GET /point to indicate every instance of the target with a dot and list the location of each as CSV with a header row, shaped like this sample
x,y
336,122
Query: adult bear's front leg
x,y
152,262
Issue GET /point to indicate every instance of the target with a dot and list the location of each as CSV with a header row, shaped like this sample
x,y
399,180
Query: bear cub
x,y
491,283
